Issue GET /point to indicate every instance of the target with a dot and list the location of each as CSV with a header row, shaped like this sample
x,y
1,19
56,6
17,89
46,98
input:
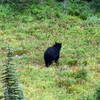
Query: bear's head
x,y
58,45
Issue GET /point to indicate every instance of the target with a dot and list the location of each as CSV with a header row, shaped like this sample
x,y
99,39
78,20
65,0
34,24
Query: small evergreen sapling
x,y
9,80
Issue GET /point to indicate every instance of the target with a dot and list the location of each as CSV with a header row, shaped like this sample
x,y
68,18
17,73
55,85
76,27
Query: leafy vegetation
x,y
30,31
97,93
96,5
9,80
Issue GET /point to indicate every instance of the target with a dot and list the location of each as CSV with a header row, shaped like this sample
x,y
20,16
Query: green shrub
x,y
79,8
5,11
81,74
86,97
41,12
96,5
97,93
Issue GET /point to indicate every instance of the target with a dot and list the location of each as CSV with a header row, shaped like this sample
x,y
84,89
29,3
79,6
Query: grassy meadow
x,y
78,73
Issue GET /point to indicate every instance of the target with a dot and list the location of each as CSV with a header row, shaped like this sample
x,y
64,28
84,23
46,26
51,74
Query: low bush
x,y
41,12
97,93
96,5
79,8
81,74
5,11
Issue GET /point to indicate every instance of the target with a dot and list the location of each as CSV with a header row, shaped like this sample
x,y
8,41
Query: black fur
x,y
52,54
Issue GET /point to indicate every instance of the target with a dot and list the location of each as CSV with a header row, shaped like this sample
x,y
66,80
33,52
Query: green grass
x,y
80,50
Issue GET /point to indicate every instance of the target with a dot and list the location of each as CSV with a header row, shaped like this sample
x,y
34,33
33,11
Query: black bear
x,y
52,54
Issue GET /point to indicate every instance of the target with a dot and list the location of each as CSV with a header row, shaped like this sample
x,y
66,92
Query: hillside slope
x,y
78,72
